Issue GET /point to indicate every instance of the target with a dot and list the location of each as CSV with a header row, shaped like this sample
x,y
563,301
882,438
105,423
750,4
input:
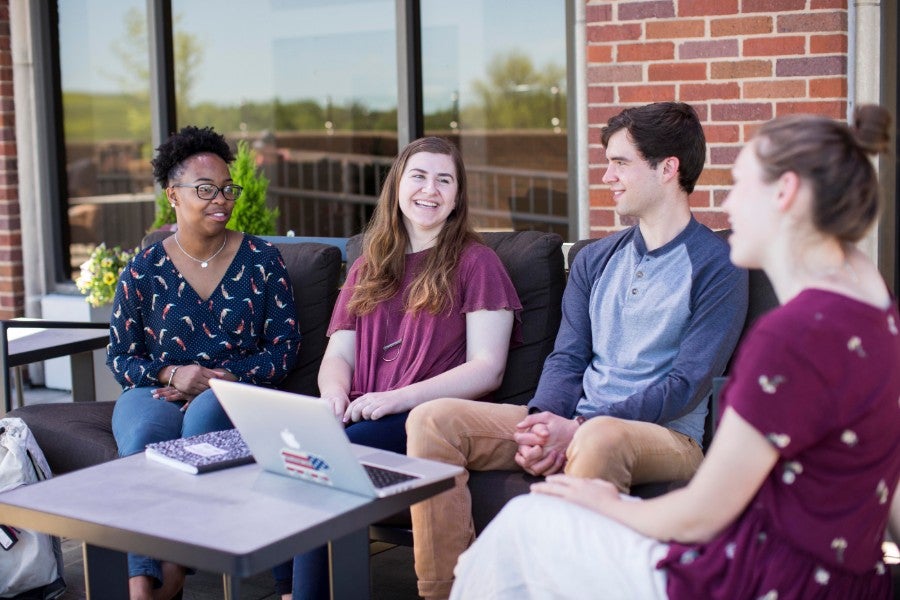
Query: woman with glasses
x,y
427,311
793,496
204,303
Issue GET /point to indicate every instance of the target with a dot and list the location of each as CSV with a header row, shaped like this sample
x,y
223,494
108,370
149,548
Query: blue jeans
x,y
311,569
140,419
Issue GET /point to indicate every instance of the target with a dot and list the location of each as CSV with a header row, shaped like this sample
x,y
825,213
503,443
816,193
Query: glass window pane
x,y
494,80
311,84
104,67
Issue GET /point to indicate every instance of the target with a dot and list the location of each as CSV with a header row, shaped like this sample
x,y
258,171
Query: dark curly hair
x,y
191,140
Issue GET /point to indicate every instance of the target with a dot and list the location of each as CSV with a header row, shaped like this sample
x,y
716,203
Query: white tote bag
x,y
28,560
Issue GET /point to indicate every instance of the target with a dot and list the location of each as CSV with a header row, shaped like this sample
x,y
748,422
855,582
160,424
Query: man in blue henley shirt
x,y
650,315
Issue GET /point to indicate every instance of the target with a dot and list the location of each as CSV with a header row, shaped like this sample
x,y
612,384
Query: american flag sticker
x,y
305,465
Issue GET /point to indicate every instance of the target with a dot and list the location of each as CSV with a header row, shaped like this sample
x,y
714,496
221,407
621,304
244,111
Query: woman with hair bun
x,y
793,497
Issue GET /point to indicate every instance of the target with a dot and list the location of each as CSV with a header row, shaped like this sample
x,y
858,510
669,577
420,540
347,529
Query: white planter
x,y
58,372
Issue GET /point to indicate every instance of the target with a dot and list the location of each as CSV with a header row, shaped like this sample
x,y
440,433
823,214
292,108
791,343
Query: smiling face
x,y
427,195
636,186
194,213
751,206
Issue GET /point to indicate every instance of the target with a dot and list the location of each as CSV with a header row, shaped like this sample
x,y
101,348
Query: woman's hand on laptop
x,y
339,403
374,405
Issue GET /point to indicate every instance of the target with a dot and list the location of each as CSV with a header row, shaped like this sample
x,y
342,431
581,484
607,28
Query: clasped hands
x,y
368,407
543,439
190,381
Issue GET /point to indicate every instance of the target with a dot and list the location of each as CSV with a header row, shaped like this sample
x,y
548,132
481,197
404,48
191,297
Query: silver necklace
x,y
203,263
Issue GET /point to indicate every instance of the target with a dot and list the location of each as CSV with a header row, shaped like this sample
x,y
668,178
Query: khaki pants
x,y
479,437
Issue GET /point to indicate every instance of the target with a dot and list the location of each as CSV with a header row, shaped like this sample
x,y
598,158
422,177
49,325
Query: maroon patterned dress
x,y
820,378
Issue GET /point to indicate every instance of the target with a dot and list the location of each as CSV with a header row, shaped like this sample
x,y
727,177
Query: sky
x,y
342,50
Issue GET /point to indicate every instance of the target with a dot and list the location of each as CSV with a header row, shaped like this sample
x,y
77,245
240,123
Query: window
x,y
494,80
104,72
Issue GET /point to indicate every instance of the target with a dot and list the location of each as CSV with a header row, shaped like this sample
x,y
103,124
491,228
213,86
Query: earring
x,y
172,205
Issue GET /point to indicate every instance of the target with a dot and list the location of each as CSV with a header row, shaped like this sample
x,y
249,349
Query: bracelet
x,y
172,376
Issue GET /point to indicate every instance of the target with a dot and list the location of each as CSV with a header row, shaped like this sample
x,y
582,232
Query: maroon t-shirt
x,y
395,348
820,378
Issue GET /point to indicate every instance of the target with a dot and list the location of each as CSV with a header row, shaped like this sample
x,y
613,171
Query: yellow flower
x,y
106,263
109,278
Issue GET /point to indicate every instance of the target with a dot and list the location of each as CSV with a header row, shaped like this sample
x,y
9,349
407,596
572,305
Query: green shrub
x,y
251,215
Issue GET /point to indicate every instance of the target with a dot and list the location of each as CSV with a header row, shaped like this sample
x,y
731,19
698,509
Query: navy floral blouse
x,y
247,326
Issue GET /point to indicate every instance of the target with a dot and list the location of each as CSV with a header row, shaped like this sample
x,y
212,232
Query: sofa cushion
x,y
315,271
73,435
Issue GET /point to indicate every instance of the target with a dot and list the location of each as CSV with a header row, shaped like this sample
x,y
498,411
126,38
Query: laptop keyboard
x,y
382,478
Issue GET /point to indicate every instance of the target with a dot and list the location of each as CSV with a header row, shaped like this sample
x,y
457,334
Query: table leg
x,y
231,586
83,377
105,573
350,566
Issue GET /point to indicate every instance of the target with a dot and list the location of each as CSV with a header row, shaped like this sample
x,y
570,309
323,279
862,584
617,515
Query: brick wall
x,y
738,62
12,291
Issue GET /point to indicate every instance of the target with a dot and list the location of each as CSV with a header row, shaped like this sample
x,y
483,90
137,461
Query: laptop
x,y
299,436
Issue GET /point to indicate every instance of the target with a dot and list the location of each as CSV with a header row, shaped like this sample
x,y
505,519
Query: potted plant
x,y
100,274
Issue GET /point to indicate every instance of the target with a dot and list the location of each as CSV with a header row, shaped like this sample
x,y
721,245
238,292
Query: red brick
x,y
810,66
785,88
716,134
613,33
831,87
820,4
614,73
600,94
644,94
670,30
775,46
724,155
599,54
749,129
692,92
828,44
699,199
594,132
836,109
602,218
657,9
743,111
707,8
594,13
708,49
595,176
740,69
771,6
645,52
740,26
719,197
715,176
677,71
713,219
601,196
815,22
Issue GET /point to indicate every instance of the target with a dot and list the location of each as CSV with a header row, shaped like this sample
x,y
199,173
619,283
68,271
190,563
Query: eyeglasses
x,y
208,191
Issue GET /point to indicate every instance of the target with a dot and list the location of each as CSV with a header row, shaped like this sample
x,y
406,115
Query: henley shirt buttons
x,y
639,274
634,291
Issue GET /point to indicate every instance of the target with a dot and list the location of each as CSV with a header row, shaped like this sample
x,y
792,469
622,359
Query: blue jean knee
x,y
204,414
139,565
140,419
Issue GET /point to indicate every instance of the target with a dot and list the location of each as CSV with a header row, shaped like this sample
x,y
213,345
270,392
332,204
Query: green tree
x,y
250,214
516,95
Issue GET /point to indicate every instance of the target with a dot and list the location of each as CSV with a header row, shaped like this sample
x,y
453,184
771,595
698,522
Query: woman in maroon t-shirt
x,y
426,312
794,494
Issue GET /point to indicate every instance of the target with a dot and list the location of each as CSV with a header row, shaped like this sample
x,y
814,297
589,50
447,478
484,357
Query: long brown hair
x,y
386,241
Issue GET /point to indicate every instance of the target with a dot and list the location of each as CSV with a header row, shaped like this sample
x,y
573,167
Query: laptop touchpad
x,y
385,459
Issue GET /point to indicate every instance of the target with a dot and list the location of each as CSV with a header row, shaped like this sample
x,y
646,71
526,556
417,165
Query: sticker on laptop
x,y
303,464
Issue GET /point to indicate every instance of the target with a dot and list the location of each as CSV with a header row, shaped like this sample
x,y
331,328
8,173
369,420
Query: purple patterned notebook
x,y
202,453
